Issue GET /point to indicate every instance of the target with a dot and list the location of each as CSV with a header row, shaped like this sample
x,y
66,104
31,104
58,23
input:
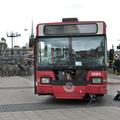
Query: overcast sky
x,y
17,15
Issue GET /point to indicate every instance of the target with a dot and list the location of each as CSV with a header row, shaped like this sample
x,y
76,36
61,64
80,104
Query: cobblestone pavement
x,y
18,102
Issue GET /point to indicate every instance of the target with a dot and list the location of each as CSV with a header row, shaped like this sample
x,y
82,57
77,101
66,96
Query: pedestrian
x,y
116,65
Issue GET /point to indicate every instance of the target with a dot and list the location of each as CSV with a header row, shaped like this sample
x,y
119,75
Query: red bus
x,y
71,59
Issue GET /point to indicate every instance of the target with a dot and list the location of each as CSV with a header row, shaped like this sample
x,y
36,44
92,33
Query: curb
x,y
113,82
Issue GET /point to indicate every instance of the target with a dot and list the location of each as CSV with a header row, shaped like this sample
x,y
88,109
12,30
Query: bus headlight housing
x,y
45,80
96,80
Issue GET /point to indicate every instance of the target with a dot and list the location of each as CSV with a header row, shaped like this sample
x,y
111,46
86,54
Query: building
x,y
3,45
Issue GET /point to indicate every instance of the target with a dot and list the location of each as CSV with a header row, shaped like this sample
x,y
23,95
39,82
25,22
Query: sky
x,y
17,15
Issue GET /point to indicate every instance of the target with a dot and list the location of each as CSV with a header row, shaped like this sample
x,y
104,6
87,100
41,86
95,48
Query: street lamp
x,y
12,35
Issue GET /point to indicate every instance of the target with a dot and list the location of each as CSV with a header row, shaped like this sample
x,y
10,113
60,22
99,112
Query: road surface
x,y
18,102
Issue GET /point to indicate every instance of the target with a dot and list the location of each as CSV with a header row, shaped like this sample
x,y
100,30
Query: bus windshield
x,y
77,51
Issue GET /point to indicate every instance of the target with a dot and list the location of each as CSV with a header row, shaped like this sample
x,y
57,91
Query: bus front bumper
x,y
71,92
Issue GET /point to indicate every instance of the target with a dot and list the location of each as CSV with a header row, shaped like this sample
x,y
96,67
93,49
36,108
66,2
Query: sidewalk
x,y
113,78
18,102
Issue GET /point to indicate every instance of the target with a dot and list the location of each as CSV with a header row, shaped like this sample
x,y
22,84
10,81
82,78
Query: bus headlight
x,y
45,80
96,80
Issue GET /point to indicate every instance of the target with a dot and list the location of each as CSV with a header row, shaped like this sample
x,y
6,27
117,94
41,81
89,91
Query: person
x,y
116,65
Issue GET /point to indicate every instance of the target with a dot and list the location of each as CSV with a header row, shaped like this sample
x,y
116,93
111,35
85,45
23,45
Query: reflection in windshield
x,y
71,50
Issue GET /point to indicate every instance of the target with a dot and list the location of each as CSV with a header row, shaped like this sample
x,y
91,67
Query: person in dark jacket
x,y
116,65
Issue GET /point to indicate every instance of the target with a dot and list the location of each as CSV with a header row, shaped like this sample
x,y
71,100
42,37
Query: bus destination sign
x,y
70,29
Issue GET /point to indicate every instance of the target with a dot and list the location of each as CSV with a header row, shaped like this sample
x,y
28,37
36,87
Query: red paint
x,y
44,89
78,92
41,74
101,74
60,93
96,89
